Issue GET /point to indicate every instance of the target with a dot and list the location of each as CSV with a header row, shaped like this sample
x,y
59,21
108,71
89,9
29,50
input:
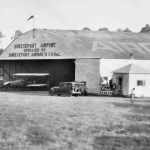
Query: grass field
x,y
33,121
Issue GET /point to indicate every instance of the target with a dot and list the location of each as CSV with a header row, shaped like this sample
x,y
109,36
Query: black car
x,y
69,89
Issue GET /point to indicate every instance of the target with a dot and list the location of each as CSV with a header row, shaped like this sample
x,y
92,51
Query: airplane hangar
x,y
73,55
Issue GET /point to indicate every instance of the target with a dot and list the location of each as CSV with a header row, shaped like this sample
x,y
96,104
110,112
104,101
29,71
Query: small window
x,y
140,83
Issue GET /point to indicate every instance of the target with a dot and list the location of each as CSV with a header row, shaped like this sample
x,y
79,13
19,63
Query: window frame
x,y
141,83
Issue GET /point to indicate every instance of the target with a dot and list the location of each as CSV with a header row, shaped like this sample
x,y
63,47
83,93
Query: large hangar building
x,y
75,55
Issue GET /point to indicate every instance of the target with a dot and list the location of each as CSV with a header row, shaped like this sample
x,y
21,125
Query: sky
x,y
71,14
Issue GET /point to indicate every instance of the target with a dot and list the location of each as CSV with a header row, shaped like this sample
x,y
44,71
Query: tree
x,y
127,30
1,51
119,30
145,29
1,35
86,29
103,29
17,34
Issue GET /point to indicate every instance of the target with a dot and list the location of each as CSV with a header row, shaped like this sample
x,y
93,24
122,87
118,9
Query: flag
x,y
31,17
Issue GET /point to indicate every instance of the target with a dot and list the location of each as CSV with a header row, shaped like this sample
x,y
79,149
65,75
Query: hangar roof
x,y
132,69
62,44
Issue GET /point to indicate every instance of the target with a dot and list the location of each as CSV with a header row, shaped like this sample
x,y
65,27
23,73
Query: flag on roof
x,y
31,17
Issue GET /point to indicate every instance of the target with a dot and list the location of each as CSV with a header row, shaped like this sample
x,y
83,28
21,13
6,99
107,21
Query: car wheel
x,y
51,92
84,93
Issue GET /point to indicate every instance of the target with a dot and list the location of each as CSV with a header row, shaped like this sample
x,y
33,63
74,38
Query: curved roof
x,y
78,44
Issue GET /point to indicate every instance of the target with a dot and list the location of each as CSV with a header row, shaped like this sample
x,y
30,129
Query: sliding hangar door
x,y
62,70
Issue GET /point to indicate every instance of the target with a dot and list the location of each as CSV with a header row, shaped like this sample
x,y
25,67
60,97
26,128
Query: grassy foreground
x,y
41,122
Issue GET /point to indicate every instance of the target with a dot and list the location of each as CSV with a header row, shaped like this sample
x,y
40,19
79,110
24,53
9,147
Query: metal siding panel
x,y
88,70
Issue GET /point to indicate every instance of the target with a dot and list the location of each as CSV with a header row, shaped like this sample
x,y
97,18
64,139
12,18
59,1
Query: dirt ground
x,y
36,121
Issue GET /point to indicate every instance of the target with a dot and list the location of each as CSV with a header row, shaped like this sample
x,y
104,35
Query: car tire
x,y
51,92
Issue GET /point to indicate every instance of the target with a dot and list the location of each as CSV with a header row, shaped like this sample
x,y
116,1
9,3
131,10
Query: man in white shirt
x,y
132,95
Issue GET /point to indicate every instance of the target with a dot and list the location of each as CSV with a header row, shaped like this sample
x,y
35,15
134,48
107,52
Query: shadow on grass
x,y
121,143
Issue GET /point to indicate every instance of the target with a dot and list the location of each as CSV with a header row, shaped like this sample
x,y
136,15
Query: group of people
x,y
113,86
110,85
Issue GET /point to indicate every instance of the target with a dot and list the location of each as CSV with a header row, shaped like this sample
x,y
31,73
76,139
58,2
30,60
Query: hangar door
x,y
60,70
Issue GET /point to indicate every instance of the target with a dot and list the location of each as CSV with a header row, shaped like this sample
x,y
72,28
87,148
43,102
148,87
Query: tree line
x,y
144,29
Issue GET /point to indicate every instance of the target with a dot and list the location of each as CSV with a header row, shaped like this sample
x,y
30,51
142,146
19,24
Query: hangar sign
x,y
33,50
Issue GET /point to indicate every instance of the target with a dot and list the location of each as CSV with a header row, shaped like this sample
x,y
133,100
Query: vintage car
x,y
69,89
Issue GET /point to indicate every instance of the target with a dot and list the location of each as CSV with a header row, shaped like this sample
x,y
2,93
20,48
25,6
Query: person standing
x,y
132,95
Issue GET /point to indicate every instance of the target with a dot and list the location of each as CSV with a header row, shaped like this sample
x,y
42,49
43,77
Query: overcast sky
x,y
72,14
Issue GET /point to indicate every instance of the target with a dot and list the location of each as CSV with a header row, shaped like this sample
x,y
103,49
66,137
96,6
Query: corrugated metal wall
x,y
88,70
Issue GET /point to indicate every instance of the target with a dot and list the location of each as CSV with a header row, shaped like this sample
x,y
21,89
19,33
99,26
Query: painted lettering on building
x,y
34,45
34,50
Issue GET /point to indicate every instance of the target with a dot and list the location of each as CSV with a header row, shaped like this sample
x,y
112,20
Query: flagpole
x,y
33,23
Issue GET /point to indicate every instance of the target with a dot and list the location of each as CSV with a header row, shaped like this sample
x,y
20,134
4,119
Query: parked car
x,y
69,89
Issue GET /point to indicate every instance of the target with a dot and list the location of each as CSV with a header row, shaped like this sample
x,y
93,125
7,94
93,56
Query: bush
x,y
146,28
86,29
